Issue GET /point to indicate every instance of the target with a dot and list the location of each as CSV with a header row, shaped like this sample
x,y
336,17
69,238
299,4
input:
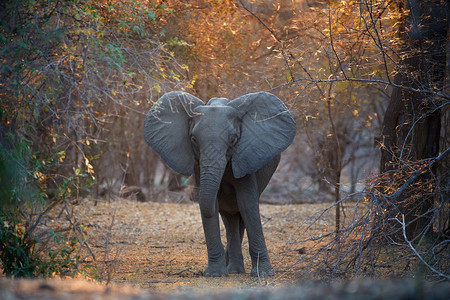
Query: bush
x,y
23,202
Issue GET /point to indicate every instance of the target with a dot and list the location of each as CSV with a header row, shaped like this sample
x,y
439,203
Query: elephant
x,y
232,148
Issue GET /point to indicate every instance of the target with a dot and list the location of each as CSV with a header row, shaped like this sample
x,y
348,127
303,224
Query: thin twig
x,y
331,40
81,240
107,250
416,174
416,252
426,114
439,94
274,35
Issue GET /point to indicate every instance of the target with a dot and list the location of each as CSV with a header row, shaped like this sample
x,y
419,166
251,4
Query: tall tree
x,y
411,127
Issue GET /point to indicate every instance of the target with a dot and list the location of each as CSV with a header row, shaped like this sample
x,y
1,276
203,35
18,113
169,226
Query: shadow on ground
x,y
83,290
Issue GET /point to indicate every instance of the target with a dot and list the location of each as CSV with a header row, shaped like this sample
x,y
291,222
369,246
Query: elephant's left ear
x,y
267,130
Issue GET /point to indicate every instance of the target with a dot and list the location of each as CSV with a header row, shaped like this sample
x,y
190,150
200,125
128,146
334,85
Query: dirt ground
x,y
157,251
160,246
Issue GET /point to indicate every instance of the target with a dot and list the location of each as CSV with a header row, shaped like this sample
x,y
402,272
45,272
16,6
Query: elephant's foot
x,y
216,270
263,270
236,268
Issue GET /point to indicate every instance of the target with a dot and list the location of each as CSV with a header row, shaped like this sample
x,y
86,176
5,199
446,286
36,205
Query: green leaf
x,y
151,15
288,76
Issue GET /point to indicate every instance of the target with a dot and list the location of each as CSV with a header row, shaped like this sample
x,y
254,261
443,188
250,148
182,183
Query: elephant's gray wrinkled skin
x,y
232,148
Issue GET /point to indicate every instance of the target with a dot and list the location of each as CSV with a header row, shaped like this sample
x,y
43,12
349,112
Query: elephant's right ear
x,y
166,130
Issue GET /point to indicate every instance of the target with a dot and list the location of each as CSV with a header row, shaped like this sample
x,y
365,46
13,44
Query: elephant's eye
x,y
194,140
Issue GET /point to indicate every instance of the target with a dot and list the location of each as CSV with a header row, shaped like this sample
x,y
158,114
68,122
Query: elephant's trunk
x,y
210,178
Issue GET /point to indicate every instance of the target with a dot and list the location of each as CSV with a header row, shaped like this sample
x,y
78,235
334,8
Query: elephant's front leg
x,y
235,232
248,201
216,255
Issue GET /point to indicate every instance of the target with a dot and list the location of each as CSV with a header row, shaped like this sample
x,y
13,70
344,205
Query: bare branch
x,y
416,252
331,40
436,93
283,51
417,173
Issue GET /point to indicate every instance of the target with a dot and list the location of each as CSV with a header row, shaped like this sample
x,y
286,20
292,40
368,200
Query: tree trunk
x,y
444,168
411,126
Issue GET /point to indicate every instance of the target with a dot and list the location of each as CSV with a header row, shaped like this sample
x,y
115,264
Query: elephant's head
x,y
248,132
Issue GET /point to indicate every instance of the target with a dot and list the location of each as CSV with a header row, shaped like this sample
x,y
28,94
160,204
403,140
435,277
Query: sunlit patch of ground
x,y
157,251
160,246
